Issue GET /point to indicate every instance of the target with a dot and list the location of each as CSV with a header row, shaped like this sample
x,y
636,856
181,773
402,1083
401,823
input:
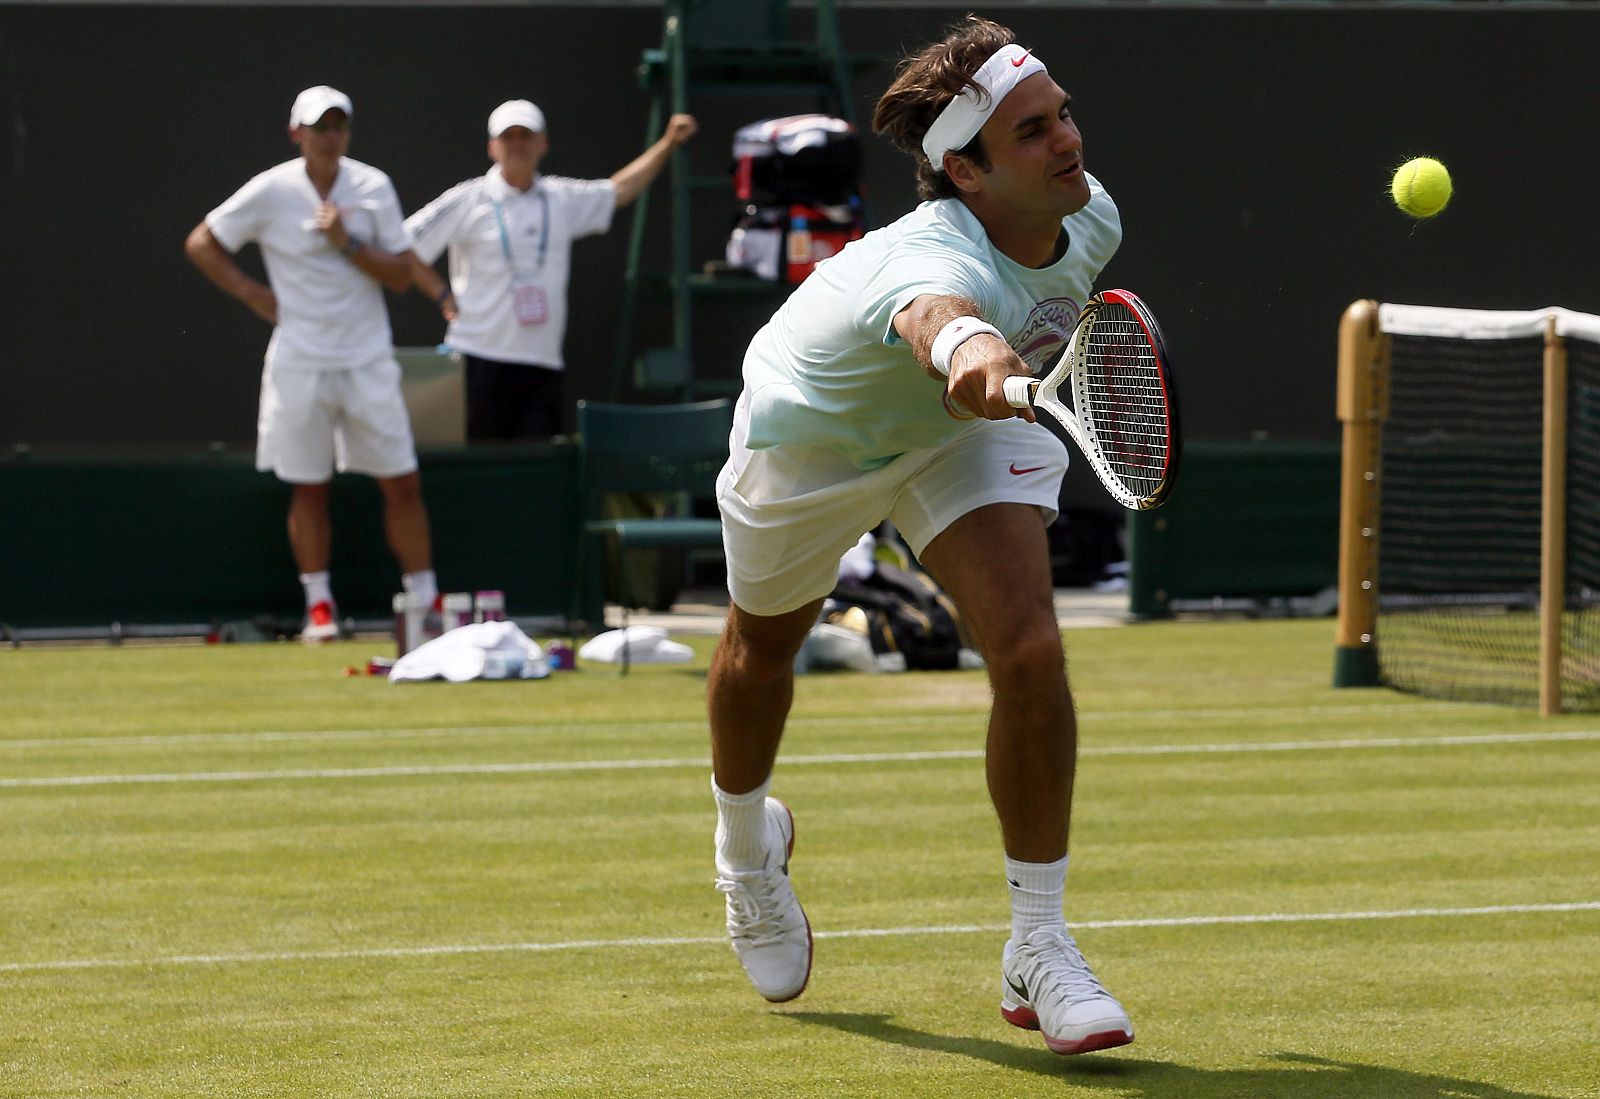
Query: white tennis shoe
x,y
767,926
1045,985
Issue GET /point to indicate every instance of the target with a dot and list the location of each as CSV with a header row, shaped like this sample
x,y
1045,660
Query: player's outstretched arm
x,y
979,365
213,260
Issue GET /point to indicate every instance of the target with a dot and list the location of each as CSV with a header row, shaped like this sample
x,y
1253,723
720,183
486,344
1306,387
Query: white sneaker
x,y
321,624
766,924
1047,986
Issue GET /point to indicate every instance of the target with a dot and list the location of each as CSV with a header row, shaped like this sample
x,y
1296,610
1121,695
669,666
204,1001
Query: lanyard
x,y
544,230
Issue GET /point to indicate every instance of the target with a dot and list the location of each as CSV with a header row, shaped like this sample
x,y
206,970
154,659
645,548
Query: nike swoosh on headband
x,y
965,115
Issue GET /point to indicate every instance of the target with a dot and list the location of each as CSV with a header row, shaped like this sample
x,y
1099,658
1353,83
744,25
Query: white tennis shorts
x,y
789,513
312,422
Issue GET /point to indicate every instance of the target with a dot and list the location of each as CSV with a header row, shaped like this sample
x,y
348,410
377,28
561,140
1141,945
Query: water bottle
x,y
799,239
408,622
491,606
457,610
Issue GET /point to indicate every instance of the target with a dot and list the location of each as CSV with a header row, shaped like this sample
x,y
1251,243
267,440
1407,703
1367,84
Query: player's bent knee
x,y
769,651
765,646
1025,656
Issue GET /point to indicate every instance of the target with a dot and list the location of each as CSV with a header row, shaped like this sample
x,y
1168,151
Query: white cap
x,y
516,112
311,104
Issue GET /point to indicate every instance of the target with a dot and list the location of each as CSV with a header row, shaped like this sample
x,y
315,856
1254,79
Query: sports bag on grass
x,y
905,612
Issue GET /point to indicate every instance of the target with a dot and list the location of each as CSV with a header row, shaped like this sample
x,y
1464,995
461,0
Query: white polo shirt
x,y
331,315
494,230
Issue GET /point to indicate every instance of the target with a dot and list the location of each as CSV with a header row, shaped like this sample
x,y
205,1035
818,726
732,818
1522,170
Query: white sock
x,y
317,588
422,585
1036,889
741,827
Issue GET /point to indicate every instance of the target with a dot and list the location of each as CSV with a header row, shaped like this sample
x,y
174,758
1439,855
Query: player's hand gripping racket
x,y
1126,418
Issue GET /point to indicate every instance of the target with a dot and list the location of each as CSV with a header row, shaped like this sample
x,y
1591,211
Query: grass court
x,y
230,871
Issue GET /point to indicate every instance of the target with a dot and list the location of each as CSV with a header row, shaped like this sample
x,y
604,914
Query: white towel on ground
x,y
645,644
481,650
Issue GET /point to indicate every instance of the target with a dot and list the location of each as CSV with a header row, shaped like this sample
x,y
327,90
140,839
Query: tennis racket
x,y
1124,413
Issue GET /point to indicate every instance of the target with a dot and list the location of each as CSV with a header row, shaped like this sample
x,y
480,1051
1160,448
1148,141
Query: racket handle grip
x,y
1019,390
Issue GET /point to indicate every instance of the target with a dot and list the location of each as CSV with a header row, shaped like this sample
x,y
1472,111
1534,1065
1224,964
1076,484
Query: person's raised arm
x,y
979,363
213,260
633,178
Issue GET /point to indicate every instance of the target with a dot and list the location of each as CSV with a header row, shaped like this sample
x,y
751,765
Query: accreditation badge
x,y
528,300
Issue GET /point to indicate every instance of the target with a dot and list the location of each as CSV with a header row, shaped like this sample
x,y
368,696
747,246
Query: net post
x,y
1553,527
1362,407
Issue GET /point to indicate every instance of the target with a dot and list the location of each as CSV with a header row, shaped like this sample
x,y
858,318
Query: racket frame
x,y
1045,394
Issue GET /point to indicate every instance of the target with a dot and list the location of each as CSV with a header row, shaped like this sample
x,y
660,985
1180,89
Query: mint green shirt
x,y
829,370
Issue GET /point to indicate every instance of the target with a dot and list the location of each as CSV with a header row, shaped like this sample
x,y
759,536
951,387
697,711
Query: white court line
x,y
709,940
562,766
1343,744
1109,717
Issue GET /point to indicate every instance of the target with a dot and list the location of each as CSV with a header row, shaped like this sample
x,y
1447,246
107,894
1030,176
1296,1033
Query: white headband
x,y
965,115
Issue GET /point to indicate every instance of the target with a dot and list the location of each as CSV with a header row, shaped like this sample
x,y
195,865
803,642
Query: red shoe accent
x,y
1025,1018
1106,1039
1020,1017
321,614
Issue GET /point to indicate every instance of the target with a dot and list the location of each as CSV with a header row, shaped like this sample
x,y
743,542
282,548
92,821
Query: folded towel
x,y
645,645
481,650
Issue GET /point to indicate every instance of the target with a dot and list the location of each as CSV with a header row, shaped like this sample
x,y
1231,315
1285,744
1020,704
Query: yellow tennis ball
x,y
1421,187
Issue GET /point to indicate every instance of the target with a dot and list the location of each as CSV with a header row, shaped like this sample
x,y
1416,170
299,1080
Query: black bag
x,y
906,613
810,158
1084,545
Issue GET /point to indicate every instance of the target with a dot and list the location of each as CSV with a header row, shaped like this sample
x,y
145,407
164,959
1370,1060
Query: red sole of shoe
x,y
1106,1039
1020,1017
1025,1018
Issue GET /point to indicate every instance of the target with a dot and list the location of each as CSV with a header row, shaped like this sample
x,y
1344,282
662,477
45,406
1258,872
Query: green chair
x,y
674,450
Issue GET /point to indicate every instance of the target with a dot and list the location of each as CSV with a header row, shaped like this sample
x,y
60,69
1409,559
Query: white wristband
x,y
952,336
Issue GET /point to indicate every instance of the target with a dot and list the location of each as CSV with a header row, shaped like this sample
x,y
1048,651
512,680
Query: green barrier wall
x,y
1254,521
86,541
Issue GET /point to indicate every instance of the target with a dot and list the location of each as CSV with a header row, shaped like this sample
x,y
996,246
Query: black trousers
x,y
512,401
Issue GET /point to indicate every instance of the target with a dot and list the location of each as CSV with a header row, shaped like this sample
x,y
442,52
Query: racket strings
x,y
1122,399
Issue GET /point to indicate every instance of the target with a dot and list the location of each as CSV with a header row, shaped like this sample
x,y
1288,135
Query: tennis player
x,y
876,392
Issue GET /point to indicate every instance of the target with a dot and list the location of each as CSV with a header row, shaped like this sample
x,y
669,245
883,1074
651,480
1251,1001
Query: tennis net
x,y
1473,529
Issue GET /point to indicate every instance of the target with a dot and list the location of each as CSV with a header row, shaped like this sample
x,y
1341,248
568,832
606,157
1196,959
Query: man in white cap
x,y
876,392
509,233
331,237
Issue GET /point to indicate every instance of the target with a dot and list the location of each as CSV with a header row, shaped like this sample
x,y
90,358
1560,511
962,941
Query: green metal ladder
x,y
737,47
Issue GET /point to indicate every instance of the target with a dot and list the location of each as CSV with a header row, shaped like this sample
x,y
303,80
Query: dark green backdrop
x,y
1248,146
